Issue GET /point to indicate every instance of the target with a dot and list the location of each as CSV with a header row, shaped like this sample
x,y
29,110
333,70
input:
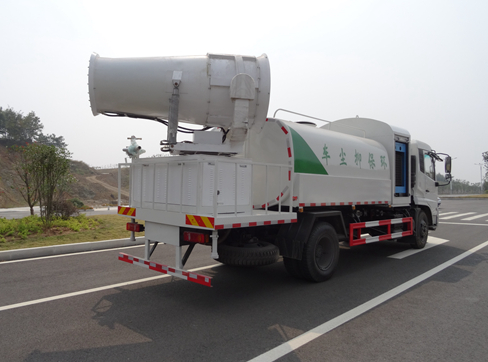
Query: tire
x,y
256,254
320,254
419,239
292,266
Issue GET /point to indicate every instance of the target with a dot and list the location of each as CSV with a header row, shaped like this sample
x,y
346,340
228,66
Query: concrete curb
x,y
67,248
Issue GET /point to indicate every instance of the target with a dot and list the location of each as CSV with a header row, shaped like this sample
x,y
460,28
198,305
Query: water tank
x,y
329,167
209,88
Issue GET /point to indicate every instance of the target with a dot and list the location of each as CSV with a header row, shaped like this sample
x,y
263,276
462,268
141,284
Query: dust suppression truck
x,y
252,187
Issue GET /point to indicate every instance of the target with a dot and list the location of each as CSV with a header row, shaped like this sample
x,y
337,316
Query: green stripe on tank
x,y
305,159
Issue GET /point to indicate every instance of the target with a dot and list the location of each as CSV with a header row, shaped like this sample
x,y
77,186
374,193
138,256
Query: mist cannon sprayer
x,y
229,92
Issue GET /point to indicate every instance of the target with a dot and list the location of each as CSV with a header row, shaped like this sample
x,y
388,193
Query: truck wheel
x,y
292,266
320,254
255,254
419,238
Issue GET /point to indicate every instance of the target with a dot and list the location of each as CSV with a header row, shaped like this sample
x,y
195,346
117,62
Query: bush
x,y
20,227
77,202
64,209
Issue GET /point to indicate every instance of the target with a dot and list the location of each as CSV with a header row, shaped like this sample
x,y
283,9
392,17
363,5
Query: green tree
x,y
457,186
52,140
50,170
41,173
22,159
16,128
485,160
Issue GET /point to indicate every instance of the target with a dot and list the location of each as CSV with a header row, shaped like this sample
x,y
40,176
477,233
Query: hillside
x,y
93,187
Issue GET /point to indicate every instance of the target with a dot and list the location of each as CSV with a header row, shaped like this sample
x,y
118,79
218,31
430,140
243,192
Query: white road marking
x,y
475,217
93,290
431,242
69,254
297,342
457,215
462,223
448,213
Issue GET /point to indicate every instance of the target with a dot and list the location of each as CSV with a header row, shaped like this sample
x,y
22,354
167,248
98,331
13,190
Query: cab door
x,y
425,189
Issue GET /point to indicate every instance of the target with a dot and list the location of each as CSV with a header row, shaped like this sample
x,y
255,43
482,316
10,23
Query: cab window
x,y
427,164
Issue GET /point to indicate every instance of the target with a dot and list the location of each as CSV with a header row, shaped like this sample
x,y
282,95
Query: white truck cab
x,y
423,175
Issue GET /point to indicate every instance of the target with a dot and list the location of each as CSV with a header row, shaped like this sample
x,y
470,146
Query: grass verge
x,y
475,196
481,196
28,232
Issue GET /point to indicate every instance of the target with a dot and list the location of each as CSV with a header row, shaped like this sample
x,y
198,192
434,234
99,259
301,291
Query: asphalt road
x,y
427,306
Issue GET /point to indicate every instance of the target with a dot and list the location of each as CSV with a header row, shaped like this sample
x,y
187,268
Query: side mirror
x,y
447,164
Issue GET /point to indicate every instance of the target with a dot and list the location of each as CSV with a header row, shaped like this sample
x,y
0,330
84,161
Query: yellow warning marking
x,y
129,211
207,222
201,221
192,220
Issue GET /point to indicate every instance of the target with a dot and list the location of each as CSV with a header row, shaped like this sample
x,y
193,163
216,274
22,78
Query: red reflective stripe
x,y
199,220
218,227
253,224
236,225
123,258
289,152
267,223
358,242
384,222
284,130
192,277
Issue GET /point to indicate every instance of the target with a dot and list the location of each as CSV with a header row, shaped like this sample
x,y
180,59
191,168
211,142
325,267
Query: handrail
x,y
119,182
299,114
319,119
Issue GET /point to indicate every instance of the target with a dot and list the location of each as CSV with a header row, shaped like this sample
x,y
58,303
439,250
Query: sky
x,y
421,65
